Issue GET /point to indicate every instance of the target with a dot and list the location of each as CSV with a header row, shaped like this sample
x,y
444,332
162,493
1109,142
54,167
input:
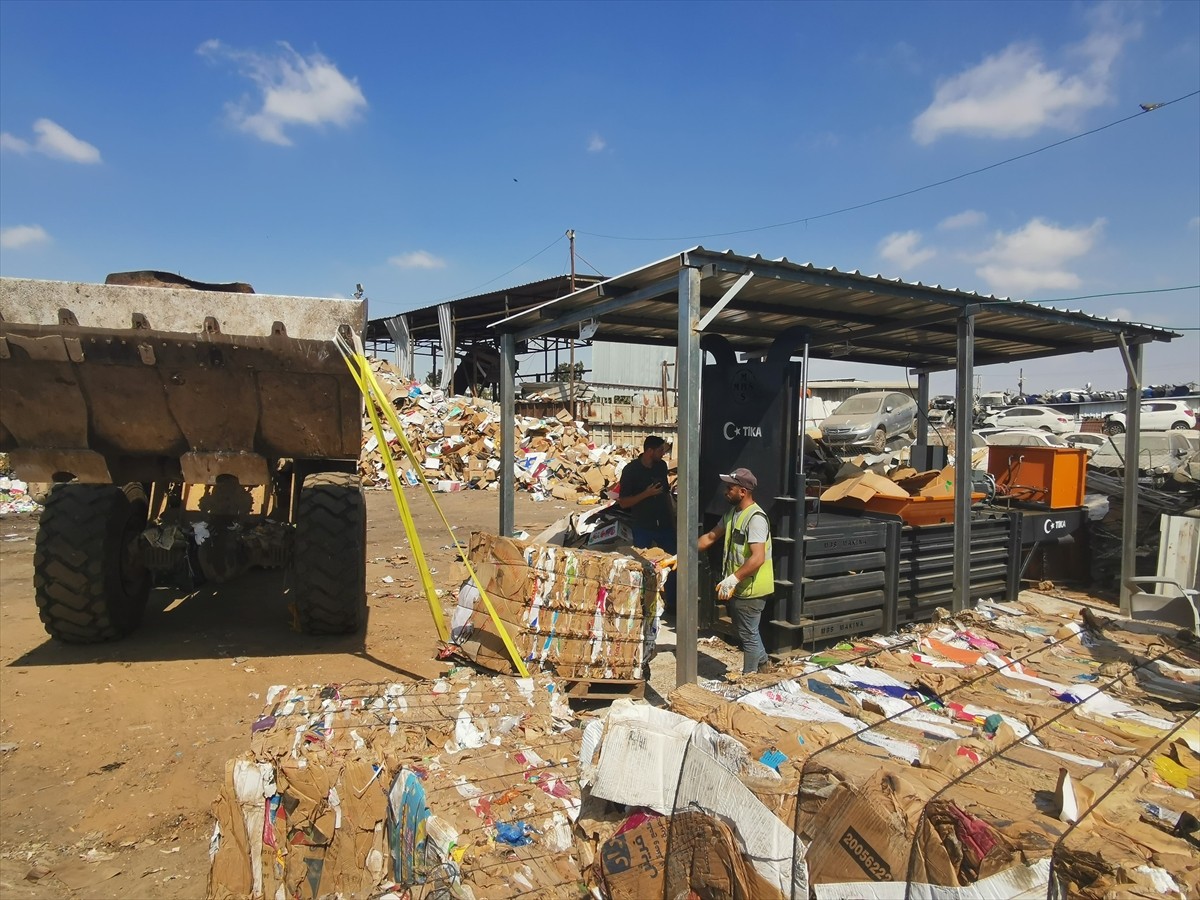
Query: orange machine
x,y
918,510
1051,476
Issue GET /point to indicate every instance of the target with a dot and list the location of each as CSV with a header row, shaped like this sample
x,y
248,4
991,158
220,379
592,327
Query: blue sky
x,y
431,151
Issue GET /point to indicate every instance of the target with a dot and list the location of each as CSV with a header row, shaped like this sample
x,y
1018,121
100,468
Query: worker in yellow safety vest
x,y
748,574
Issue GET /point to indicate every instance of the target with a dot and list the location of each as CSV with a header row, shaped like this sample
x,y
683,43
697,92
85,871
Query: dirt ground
x,y
111,754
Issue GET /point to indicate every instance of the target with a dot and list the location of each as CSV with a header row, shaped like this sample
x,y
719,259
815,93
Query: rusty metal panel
x,y
179,310
99,377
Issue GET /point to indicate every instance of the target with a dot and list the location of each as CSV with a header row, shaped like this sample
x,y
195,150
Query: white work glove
x,y
727,586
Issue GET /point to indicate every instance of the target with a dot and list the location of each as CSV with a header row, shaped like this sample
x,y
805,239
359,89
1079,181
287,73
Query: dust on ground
x,y
111,754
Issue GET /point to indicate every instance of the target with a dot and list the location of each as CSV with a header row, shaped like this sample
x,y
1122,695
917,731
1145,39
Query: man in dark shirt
x,y
647,495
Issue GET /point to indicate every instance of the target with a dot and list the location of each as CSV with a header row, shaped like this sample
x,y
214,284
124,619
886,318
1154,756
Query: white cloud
x,y
52,140
20,236
13,143
1034,257
1016,93
901,248
417,259
294,90
56,141
596,144
968,218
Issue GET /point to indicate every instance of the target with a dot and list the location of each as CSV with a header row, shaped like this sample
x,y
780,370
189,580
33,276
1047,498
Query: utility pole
x,y
571,382
1021,384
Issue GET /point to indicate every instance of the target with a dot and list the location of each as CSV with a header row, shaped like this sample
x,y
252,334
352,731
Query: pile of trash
x,y
465,786
14,493
987,754
457,440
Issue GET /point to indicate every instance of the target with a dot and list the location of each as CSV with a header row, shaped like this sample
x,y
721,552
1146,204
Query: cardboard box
x,y
613,531
862,488
634,865
890,831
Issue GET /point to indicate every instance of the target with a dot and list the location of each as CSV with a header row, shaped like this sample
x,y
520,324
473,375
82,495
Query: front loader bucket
x,y
113,383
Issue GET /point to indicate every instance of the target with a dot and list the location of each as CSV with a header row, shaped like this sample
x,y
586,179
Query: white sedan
x,y
1021,437
1042,418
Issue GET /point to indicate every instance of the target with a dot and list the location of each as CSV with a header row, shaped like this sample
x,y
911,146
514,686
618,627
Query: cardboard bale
x,y
579,613
348,790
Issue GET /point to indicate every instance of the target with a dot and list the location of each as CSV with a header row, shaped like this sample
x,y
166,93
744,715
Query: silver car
x,y
870,419
1161,454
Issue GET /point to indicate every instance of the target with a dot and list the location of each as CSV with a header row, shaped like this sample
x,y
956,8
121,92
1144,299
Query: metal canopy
x,y
473,315
847,315
861,318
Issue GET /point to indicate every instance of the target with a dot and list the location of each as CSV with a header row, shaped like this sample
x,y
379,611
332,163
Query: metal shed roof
x,y
852,316
472,315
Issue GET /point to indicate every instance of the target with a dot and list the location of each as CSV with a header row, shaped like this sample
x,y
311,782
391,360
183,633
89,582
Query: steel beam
x,y
596,310
923,410
687,576
733,291
964,406
1133,355
508,421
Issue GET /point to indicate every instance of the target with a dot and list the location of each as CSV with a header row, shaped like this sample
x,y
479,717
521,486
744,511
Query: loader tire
x,y
89,583
329,567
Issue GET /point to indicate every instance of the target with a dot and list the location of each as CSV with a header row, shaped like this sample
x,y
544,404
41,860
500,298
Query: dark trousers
x,y
746,613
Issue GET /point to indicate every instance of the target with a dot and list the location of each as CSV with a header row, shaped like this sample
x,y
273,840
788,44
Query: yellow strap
x,y
410,527
374,394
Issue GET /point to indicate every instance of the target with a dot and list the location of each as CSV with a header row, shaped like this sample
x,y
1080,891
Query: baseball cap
x,y
742,478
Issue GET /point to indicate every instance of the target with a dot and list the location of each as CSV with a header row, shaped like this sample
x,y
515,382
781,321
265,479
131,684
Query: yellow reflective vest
x,y
737,551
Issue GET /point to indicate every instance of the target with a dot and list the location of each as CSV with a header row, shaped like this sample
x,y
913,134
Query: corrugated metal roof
x,y
852,316
473,314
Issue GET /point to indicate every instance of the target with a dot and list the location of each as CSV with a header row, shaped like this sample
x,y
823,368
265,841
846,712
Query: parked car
x,y
942,401
1040,417
1156,415
993,400
939,416
1160,454
1020,437
870,419
1088,440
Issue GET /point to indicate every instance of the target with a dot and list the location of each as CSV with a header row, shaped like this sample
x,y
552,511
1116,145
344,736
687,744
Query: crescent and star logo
x,y
732,430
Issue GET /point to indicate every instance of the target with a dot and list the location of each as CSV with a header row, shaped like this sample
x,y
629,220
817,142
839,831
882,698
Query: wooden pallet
x,y
603,688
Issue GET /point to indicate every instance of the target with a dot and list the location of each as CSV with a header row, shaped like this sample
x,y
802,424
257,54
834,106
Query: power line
x,y
470,291
916,190
1185,287
589,265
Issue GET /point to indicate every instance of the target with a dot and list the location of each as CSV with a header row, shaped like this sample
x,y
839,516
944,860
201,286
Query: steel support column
x,y
923,410
1129,498
687,451
508,420
964,401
